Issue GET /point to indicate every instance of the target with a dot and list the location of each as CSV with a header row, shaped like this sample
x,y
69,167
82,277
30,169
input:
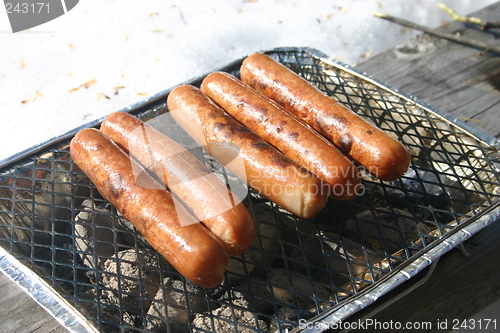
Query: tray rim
x,y
350,305
407,270
44,295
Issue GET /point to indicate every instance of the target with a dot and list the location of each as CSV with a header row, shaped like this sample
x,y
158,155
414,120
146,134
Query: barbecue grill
x,y
87,266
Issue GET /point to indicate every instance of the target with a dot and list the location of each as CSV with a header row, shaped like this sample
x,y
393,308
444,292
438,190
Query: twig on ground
x,y
485,47
484,25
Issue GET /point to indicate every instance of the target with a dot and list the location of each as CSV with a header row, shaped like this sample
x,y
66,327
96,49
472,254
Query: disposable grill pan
x,y
75,255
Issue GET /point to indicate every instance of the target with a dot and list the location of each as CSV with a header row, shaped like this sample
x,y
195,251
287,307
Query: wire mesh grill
x,y
54,221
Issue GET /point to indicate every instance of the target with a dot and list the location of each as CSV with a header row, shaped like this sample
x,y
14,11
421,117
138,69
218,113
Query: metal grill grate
x,y
55,222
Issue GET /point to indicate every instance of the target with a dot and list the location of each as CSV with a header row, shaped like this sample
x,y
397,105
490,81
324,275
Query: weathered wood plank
x,y
20,313
456,79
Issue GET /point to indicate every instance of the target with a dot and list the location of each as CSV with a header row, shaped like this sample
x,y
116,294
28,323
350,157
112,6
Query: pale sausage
x,y
263,168
192,182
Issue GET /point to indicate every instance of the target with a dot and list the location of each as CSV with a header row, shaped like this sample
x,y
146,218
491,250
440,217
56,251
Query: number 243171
x,y
25,8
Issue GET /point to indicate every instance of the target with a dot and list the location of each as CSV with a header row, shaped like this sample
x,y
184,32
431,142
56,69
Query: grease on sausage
x,y
284,131
368,145
191,249
264,168
192,182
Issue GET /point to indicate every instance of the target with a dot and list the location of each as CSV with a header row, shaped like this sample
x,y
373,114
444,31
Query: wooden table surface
x,y
454,78
464,82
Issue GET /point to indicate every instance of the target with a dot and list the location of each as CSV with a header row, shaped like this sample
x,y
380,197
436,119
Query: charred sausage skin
x,y
186,176
284,131
368,145
195,252
265,169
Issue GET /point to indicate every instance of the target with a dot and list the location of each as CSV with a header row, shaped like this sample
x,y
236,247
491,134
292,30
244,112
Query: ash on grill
x,y
270,286
264,287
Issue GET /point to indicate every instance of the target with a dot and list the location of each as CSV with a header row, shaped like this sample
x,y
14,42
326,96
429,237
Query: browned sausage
x,y
368,145
191,249
191,181
284,131
263,168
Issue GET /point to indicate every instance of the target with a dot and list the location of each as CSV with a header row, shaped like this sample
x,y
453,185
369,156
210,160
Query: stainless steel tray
x,y
85,264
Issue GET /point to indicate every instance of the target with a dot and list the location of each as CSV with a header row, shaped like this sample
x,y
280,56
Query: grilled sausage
x,y
186,176
191,249
263,168
284,131
368,145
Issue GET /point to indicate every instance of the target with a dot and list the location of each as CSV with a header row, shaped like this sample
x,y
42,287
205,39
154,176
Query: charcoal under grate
x,y
54,221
